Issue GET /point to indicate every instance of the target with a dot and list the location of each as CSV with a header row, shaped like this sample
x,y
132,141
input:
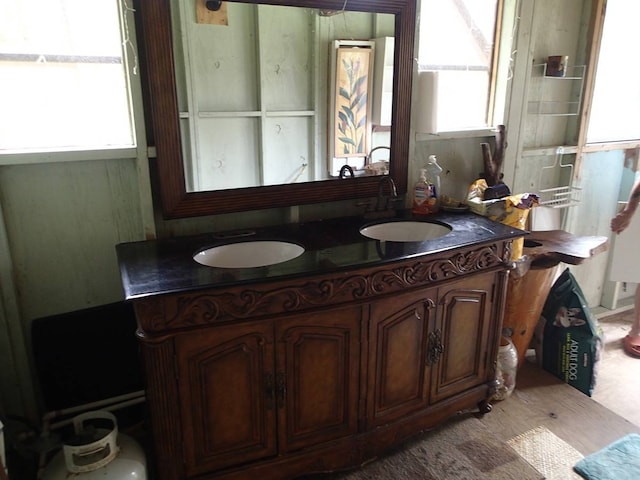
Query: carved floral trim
x,y
159,313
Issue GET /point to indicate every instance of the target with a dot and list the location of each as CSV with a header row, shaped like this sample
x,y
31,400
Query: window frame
x,y
27,156
496,87
597,28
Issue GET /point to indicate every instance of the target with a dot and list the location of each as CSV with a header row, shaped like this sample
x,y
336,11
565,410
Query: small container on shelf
x,y
557,66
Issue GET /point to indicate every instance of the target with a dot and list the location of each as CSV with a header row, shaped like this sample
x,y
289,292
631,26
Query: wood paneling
x,y
63,222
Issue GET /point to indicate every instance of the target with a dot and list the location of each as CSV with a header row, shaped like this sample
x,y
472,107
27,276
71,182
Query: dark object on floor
x,y
617,461
86,355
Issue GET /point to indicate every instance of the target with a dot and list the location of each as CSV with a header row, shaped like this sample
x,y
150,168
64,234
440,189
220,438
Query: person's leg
x,y
632,340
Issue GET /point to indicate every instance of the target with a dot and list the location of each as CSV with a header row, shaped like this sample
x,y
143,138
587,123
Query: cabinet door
x,y
398,370
461,336
226,390
317,379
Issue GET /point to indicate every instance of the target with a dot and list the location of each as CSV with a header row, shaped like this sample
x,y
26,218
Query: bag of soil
x,y
571,341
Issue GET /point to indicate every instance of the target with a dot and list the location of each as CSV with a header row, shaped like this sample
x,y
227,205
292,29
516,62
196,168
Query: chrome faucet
x,y
367,159
384,207
393,193
376,168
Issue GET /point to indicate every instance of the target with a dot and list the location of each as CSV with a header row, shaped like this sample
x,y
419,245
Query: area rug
x,y
461,449
548,453
617,461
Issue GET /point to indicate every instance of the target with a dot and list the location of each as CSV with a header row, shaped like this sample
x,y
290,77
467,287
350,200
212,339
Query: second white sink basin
x,y
408,231
248,254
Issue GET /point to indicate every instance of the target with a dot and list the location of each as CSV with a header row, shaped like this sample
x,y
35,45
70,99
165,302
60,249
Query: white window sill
x,y
24,157
612,145
471,133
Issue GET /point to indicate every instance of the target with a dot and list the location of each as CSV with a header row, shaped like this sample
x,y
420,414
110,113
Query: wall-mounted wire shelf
x,y
559,105
575,72
553,108
560,196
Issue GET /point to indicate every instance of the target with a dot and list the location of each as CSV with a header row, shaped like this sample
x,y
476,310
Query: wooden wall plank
x,y
63,222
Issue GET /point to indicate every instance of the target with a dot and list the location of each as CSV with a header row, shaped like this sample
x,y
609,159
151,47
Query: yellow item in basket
x,y
512,210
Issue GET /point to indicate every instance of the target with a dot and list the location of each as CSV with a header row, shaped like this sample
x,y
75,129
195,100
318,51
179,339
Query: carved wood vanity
x,y
321,366
324,361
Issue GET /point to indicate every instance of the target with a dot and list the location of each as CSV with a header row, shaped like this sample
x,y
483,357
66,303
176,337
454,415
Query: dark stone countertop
x,y
166,266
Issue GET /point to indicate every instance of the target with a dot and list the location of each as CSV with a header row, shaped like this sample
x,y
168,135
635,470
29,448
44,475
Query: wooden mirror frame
x,y
154,20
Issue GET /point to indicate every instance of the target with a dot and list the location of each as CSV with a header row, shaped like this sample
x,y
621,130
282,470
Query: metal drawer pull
x,y
281,388
435,347
269,390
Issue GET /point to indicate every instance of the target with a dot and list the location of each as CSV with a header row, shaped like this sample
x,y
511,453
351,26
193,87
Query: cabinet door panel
x,y
226,395
463,328
318,358
398,355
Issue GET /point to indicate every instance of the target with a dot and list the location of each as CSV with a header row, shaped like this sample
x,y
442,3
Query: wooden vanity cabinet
x,y
226,379
256,389
428,345
277,379
463,336
399,367
318,364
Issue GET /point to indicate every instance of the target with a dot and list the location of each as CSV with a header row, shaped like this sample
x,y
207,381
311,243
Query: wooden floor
x,y
540,399
618,378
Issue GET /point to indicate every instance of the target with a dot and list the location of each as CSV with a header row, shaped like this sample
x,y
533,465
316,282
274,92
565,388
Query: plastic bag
x,y
570,343
512,210
507,369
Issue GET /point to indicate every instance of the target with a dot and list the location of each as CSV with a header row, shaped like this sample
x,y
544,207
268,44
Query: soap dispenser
x,y
421,193
426,194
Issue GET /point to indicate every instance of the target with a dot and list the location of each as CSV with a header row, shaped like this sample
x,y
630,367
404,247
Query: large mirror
x,y
243,122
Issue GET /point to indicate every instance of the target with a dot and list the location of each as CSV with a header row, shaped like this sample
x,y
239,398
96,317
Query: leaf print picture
x,y
352,123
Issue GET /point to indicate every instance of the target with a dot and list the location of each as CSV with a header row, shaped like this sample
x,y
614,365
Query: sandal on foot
x,y
632,345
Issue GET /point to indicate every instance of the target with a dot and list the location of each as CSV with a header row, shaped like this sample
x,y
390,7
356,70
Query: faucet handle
x,y
344,169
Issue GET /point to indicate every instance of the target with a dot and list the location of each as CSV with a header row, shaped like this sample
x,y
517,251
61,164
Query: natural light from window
x,y
64,84
615,108
456,40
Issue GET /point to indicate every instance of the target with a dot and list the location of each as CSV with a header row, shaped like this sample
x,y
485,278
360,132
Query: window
x,y
615,106
64,81
457,40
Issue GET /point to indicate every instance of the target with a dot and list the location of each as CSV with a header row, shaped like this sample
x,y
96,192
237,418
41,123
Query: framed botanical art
x,y
350,103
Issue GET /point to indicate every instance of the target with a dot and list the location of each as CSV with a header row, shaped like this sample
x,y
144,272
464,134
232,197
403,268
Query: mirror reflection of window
x,y
457,39
253,93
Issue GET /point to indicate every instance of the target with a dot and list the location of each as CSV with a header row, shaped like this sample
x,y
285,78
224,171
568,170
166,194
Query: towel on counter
x,y
618,461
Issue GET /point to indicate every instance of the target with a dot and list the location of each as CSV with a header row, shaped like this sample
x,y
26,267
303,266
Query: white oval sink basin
x,y
248,254
405,231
